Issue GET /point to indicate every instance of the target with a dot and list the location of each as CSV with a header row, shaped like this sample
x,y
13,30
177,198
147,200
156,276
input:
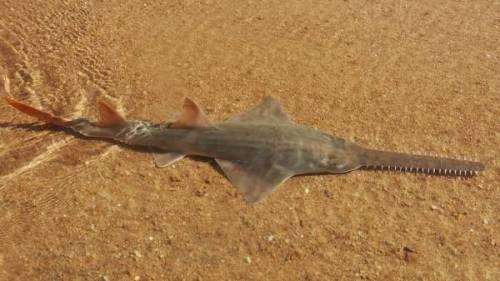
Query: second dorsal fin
x,y
192,116
108,116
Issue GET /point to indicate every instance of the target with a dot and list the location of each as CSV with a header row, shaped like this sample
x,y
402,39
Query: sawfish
x,y
257,150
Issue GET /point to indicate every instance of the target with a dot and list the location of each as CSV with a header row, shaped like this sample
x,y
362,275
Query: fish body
x,y
300,149
257,150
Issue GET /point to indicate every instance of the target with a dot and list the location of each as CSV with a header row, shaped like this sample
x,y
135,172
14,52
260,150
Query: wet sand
x,y
394,75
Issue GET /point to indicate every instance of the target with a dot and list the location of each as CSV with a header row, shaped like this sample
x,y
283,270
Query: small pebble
x,y
328,193
248,259
137,254
137,278
306,190
174,179
270,238
408,253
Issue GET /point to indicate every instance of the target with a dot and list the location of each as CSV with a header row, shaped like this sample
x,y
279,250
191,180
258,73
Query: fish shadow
x,y
34,127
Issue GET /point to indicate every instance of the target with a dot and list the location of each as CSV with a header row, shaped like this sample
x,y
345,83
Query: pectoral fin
x,y
163,159
256,179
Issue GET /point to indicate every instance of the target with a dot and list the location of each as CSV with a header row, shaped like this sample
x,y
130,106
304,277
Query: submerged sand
x,y
397,75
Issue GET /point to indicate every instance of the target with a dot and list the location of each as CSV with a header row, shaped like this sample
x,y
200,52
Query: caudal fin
x,y
33,112
28,109
384,160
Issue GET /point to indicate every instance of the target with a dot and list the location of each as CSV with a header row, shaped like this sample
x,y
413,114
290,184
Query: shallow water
x,y
392,75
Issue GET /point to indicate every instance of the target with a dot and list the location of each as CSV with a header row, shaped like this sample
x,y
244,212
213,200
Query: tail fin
x,y
31,111
383,160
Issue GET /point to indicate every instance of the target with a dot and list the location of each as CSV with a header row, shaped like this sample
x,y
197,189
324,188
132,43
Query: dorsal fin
x,y
192,116
268,110
108,116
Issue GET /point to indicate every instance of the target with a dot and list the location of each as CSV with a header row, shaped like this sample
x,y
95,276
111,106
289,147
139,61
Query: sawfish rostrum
x,y
257,150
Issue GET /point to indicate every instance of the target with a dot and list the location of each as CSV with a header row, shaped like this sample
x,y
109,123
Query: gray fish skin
x,y
256,157
257,150
303,150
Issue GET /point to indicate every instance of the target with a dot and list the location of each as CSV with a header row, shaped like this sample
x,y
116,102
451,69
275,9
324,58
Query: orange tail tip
x,y
33,112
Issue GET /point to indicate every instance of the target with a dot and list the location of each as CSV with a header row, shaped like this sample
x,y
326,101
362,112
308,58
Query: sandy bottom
x,y
396,75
